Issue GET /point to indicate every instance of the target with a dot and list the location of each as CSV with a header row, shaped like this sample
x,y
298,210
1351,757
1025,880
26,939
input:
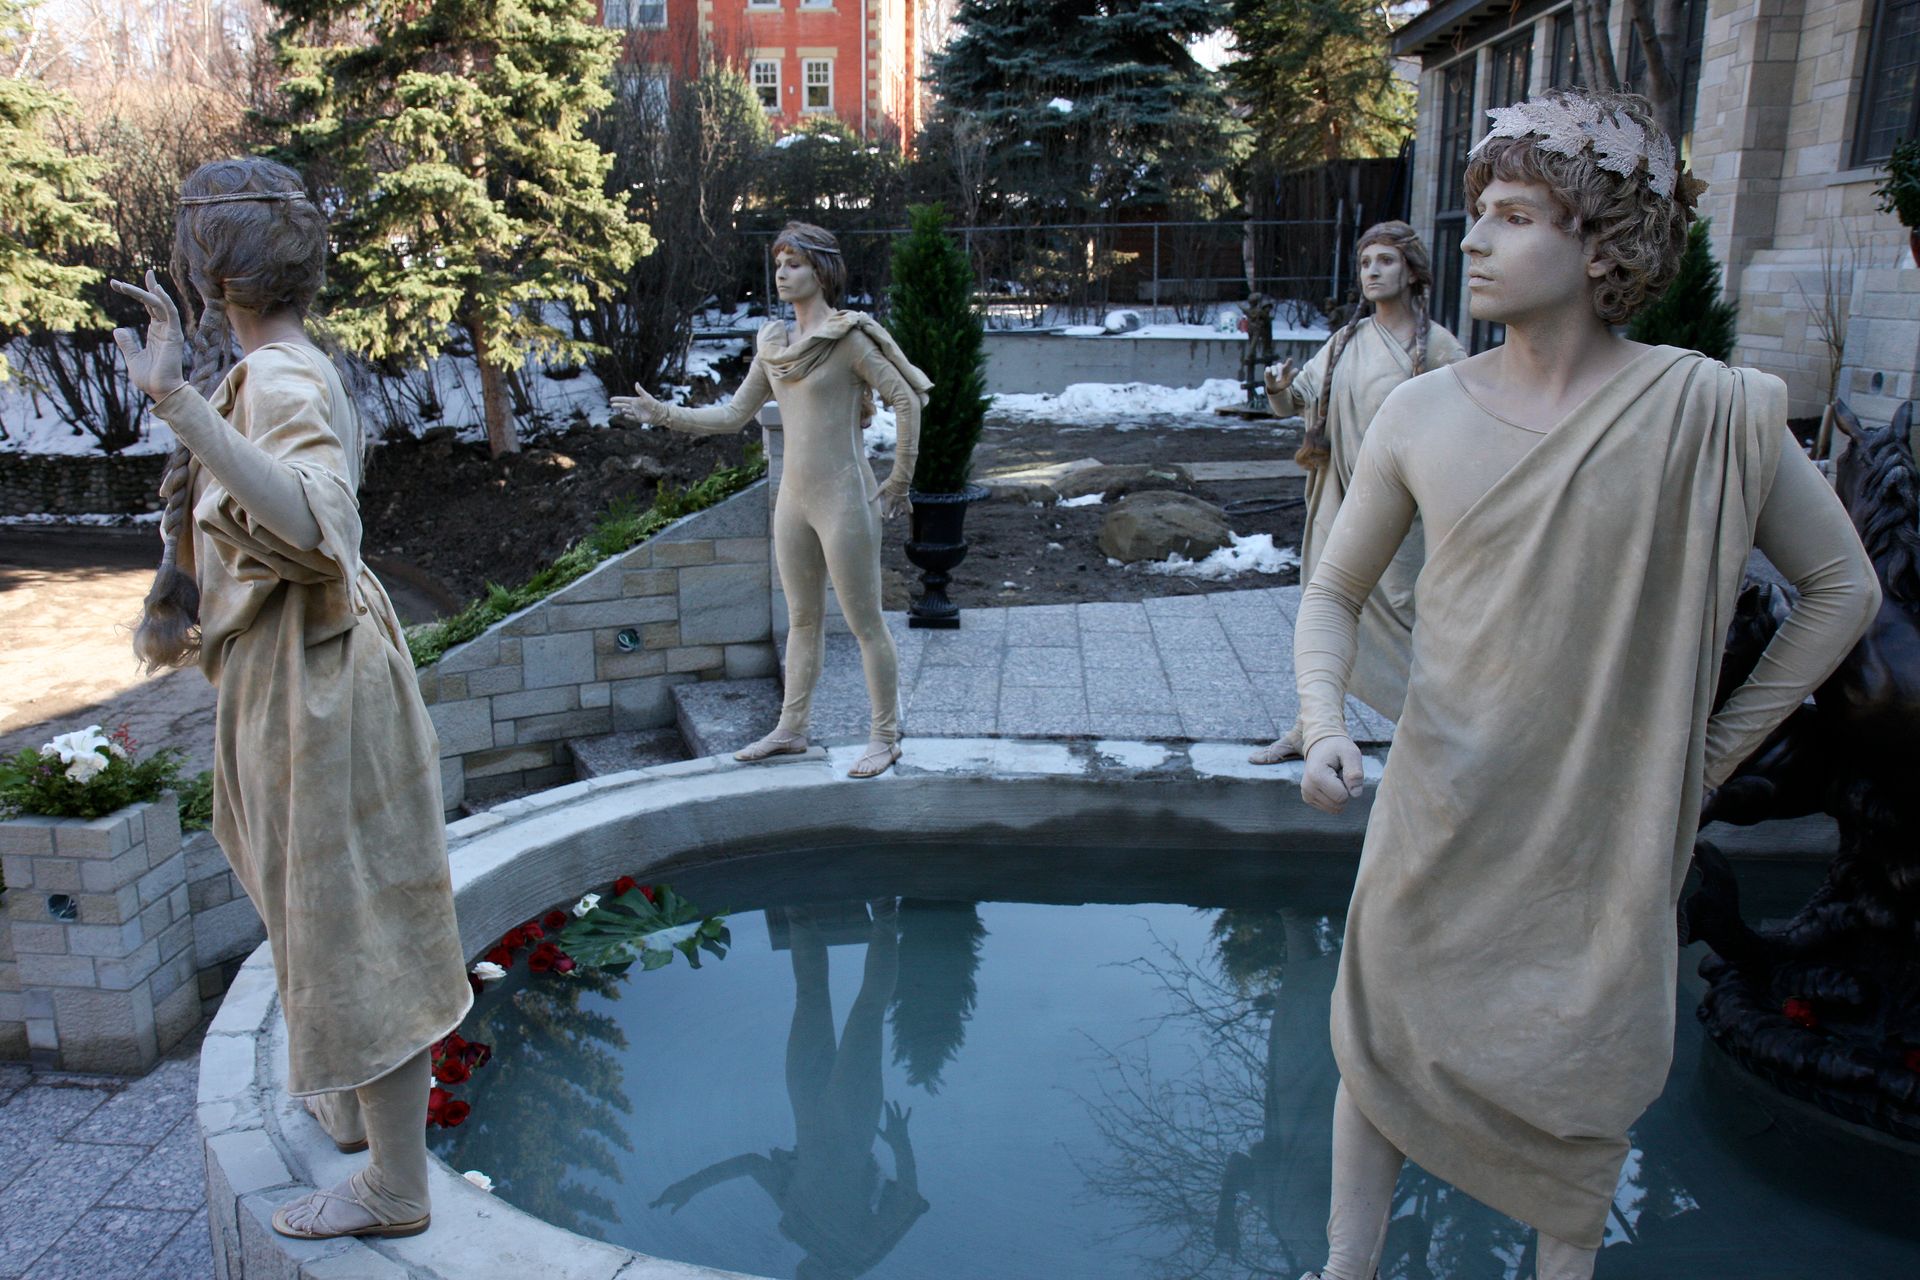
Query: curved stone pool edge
x,y
527,854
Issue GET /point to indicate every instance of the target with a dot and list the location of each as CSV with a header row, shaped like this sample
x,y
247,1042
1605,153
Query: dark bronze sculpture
x,y
1827,1007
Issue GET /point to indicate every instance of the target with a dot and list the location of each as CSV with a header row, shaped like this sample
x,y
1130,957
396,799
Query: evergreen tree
x,y
1690,313
47,203
1088,105
933,1001
464,193
1317,81
931,314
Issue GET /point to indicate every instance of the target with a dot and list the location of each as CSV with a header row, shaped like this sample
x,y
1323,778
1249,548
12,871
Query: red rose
x,y
648,892
563,965
514,939
543,957
448,1047
452,1070
455,1113
1912,1059
555,920
625,884
437,1100
475,1054
1800,1011
502,956
532,932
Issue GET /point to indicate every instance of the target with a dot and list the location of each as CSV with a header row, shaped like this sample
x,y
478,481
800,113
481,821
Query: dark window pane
x,y
1456,133
1890,100
1447,234
1695,15
1564,71
1509,69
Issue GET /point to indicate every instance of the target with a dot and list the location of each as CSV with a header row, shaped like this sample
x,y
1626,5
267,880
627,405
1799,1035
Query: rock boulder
x,y
1158,523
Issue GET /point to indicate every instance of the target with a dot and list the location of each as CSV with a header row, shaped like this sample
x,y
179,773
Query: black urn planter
x,y
936,545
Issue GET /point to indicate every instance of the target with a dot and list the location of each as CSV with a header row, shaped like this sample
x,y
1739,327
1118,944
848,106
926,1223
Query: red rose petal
x,y
1800,1011
563,965
453,1070
500,956
533,932
648,892
1912,1059
476,1054
514,939
455,1113
555,920
625,884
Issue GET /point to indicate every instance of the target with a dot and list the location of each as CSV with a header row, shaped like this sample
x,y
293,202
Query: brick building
x,y
1792,105
855,59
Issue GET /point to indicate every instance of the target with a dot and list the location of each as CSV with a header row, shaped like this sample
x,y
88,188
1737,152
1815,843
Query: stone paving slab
x,y
1214,667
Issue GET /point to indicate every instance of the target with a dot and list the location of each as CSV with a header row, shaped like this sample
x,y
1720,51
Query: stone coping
x,y
526,855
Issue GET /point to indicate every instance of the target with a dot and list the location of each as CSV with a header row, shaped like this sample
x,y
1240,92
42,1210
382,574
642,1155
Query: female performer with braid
x,y
326,784
1340,390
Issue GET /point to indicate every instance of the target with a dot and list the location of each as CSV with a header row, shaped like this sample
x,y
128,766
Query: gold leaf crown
x,y
1567,124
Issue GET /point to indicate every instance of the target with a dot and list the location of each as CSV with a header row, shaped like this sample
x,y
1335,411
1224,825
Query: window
x,y
763,4
766,83
816,4
1563,70
1694,14
817,75
1890,96
1450,205
651,87
1509,70
632,14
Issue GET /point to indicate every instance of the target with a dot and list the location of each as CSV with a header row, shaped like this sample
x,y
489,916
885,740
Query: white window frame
x,y
753,76
763,4
816,4
624,15
807,85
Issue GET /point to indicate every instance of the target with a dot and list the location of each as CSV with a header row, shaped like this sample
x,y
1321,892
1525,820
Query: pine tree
x,y
931,314
1691,313
1317,81
464,193
47,204
1088,105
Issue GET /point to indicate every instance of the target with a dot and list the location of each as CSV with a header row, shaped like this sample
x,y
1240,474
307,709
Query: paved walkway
x,y
101,1178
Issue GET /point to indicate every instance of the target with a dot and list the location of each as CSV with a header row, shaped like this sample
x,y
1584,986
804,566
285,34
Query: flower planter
x,y
97,972
936,546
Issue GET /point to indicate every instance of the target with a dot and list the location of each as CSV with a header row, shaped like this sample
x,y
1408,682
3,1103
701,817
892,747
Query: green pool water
x,y
992,1063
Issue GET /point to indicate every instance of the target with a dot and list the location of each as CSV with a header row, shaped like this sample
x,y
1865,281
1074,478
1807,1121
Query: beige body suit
x,y
1505,1004
326,782
1372,365
826,518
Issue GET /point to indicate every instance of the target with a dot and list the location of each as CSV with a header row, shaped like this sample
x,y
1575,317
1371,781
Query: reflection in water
x,y
827,1186
553,1061
939,956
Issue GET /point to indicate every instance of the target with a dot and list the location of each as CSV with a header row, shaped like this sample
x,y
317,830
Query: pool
x,y
1000,1060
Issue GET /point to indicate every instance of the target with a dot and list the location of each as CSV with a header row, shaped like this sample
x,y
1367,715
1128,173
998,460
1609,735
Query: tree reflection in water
x,y
1227,1160
827,1186
567,1107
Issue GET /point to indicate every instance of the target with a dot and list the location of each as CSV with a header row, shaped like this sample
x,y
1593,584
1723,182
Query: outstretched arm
x,y
1806,534
714,420
751,1165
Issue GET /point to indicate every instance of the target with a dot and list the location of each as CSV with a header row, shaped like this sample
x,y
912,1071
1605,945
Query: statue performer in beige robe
x,y
1505,1004
326,779
1340,390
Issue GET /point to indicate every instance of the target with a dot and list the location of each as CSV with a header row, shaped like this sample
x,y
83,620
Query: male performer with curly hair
x,y
1505,1003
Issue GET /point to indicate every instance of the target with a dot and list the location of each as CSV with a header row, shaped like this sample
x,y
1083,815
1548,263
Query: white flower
x,y
478,1179
586,904
488,971
81,742
667,939
85,765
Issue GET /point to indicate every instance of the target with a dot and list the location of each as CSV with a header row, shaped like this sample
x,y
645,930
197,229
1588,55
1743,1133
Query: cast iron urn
x,y
936,545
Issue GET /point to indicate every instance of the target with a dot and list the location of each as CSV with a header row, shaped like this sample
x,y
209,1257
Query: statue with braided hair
x,y
1340,389
326,783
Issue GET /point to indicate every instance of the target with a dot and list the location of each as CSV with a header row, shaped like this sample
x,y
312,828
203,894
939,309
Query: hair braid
x,y
1421,323
1315,447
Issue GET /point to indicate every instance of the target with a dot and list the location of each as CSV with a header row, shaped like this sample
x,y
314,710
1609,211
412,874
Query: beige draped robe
x,y
1505,1006
326,779
1370,367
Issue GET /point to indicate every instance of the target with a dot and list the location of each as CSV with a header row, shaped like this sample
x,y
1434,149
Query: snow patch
x,y
1107,400
1254,554
1084,500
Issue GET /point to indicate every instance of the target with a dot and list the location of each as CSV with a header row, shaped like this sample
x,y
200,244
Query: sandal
x,y
352,1147
777,743
875,760
316,1202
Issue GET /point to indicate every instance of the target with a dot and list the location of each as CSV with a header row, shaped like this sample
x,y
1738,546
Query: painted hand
x,y
158,367
640,407
1332,775
895,1130
893,505
1278,377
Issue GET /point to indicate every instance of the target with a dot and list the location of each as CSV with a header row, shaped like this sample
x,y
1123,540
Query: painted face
x,y
793,277
1519,264
1383,272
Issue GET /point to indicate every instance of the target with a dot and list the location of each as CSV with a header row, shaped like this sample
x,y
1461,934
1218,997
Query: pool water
x,y
951,1065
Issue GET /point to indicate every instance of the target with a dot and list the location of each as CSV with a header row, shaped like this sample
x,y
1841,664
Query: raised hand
x,y
159,367
1278,377
640,406
895,1130
1332,775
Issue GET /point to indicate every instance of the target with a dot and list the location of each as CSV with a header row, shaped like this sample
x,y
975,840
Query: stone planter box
x,y
97,966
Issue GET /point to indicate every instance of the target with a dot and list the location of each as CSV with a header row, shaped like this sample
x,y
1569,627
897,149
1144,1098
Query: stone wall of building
x,y
602,655
57,484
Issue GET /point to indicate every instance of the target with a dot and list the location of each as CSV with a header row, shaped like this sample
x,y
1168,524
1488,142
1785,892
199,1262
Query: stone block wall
x,y
602,655
97,970
53,484
226,928
1881,367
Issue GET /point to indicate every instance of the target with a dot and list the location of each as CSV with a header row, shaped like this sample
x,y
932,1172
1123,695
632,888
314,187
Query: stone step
x,y
607,753
718,717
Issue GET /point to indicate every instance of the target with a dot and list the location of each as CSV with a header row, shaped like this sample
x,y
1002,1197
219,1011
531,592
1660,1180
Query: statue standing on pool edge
x,y
822,369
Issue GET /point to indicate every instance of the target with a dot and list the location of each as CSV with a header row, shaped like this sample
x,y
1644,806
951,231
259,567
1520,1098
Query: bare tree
x,y
1662,27
1593,45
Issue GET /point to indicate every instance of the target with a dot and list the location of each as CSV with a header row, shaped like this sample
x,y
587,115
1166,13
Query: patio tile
x,y
113,1244
965,723
38,1116
1049,625
1043,712
1135,724
171,1176
1025,667
1113,618
32,1219
188,1256
143,1112
955,689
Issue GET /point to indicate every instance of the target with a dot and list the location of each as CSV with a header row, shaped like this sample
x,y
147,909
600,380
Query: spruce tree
x,y
47,204
1317,81
465,195
931,314
1088,105
1690,313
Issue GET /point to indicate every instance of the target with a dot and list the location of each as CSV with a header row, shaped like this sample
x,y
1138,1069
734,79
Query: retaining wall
x,y
1049,363
67,485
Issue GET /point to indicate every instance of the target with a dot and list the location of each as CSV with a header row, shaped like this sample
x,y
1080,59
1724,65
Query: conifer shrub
x,y
1691,313
931,315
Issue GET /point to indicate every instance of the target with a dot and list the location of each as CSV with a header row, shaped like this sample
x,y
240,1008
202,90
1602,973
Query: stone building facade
x,y
1793,104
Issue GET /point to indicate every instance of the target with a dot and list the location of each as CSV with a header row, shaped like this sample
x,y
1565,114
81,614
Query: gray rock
x,y
1159,523
1115,482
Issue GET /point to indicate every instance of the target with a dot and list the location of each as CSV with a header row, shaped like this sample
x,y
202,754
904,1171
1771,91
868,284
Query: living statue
x,y
832,1201
822,369
1827,1007
1504,1009
326,782
1340,390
